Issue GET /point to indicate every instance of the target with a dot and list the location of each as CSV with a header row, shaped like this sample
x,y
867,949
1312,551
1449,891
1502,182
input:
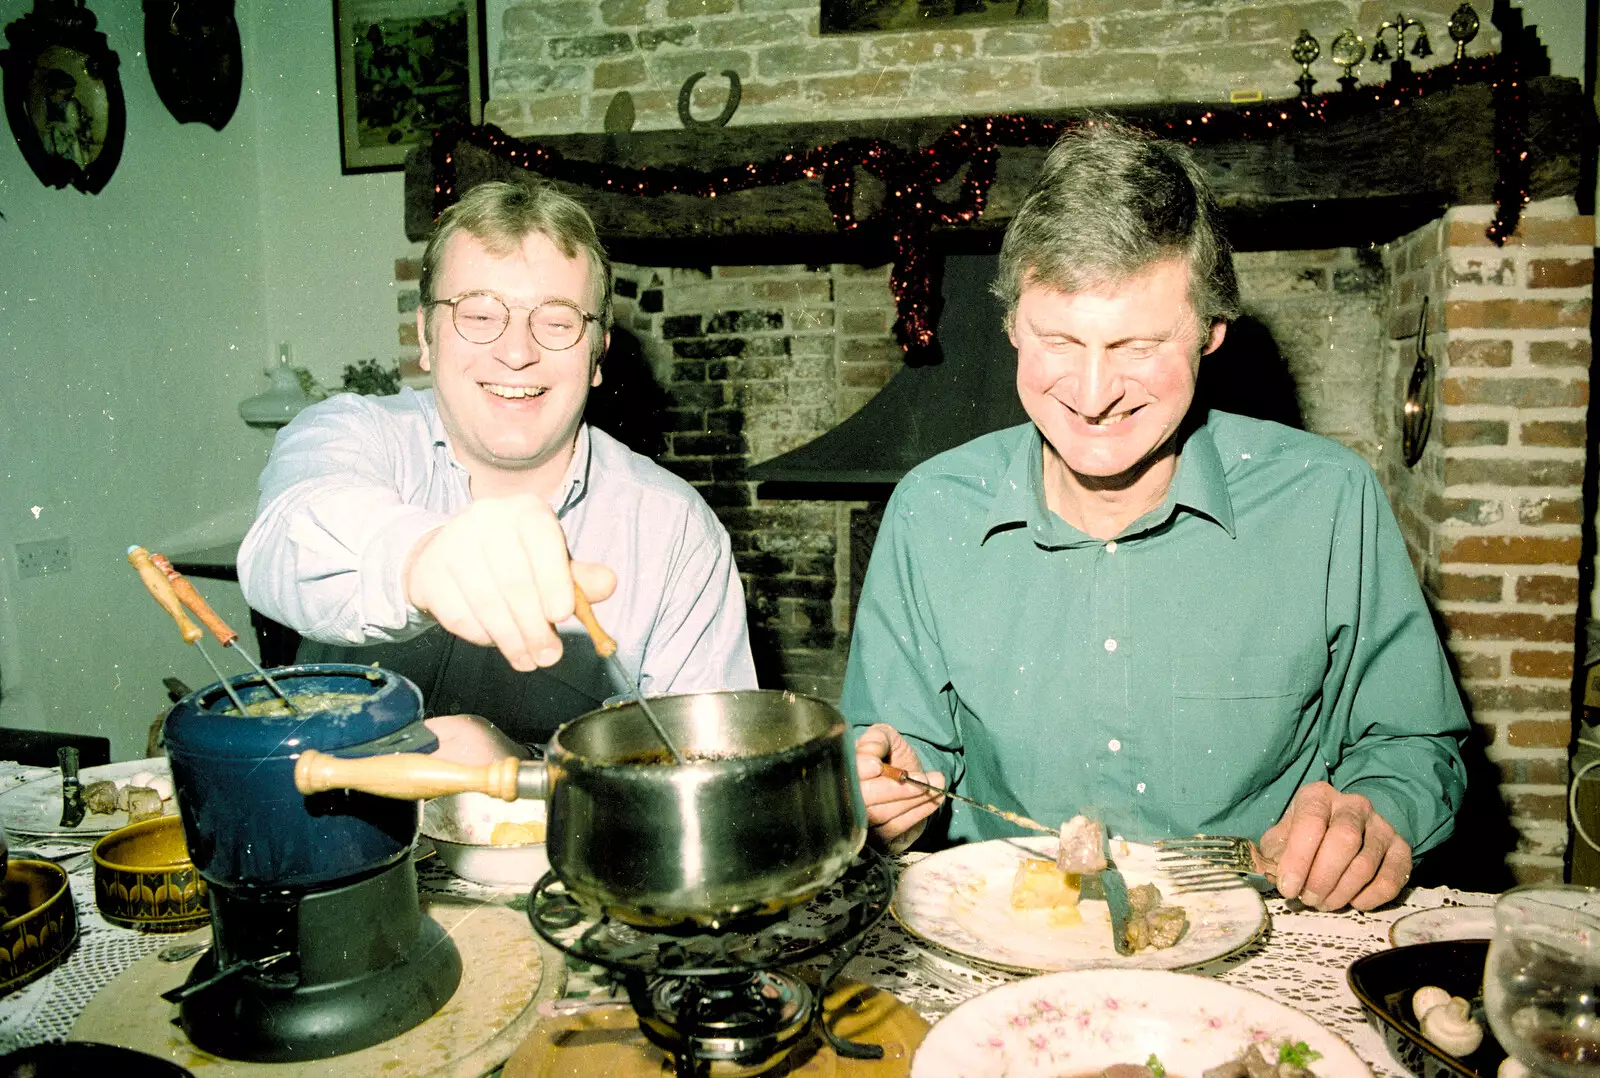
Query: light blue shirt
x,y
354,482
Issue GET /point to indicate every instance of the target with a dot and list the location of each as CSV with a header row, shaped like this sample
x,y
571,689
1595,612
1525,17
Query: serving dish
x,y
143,878
38,922
1384,983
959,900
462,828
34,808
1083,1021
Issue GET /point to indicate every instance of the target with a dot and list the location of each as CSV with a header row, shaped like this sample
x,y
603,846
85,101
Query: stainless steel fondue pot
x,y
764,812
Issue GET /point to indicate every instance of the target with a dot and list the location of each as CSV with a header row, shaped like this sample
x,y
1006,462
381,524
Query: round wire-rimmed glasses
x,y
481,317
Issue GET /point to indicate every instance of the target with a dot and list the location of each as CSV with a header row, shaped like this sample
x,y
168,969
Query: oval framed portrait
x,y
63,96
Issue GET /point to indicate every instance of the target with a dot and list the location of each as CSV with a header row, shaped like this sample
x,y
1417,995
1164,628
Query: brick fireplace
x,y
722,361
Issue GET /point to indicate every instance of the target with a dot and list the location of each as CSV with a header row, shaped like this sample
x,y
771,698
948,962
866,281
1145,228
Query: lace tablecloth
x,y
1300,961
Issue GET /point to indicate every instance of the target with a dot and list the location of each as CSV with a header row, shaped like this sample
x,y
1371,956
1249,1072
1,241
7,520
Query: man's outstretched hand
x,y
498,575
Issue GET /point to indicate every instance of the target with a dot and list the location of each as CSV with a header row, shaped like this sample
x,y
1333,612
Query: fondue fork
x,y
606,648
899,774
160,588
219,628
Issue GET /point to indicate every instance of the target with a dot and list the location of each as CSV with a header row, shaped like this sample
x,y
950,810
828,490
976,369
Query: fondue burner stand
x,y
708,996
300,976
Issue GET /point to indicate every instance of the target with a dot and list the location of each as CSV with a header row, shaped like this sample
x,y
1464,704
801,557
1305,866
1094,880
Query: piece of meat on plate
x,y
1082,846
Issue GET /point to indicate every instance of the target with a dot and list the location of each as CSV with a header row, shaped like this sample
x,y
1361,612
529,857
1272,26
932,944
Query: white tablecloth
x,y
1301,961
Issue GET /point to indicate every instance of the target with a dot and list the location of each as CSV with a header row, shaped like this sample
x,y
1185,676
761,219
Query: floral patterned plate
x,y
1444,923
1079,1023
960,900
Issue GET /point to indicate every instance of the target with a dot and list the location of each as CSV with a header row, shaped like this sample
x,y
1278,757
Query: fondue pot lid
x,y
343,707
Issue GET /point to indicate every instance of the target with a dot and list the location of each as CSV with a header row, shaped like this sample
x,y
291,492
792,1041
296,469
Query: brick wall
x,y
1494,509
561,62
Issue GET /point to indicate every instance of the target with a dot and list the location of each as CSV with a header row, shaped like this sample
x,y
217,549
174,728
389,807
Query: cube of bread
x,y
1039,884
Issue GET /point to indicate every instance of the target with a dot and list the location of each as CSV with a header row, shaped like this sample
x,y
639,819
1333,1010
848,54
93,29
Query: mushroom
x,y
1427,998
1452,1027
1510,1067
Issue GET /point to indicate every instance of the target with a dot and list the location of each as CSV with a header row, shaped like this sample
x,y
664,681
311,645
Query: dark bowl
x,y
74,1059
39,922
1384,983
143,878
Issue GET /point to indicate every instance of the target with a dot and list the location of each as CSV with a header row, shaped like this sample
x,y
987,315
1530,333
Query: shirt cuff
x,y
384,607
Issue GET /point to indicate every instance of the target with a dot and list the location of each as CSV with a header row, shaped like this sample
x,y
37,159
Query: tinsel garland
x,y
911,209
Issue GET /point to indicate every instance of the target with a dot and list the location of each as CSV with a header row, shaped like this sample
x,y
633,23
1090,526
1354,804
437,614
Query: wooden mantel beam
x,y
1337,184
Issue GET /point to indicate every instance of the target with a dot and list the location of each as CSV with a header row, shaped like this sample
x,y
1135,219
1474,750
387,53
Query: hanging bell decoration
x,y
1380,51
1422,50
196,63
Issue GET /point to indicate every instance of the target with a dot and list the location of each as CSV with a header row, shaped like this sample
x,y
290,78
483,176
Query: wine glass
x,y
1541,984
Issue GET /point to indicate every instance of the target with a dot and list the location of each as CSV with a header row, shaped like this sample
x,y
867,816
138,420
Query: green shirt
x,y
1260,630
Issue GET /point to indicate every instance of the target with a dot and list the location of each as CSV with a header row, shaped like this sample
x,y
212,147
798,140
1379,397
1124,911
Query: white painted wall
x,y
133,322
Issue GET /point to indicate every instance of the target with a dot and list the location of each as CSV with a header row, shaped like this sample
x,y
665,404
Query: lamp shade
x,y
280,403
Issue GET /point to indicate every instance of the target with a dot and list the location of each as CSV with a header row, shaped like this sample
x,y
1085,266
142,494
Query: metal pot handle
x,y
410,776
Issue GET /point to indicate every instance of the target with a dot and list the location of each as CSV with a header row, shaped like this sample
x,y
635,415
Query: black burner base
x,y
742,1019
359,964
710,997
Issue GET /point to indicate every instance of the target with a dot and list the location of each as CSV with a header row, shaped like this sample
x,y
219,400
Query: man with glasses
x,y
430,531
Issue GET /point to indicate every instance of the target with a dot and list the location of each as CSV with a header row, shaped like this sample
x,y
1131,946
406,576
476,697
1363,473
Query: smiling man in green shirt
x,y
1171,620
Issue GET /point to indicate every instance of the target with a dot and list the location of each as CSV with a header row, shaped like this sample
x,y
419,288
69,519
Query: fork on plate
x,y
1215,862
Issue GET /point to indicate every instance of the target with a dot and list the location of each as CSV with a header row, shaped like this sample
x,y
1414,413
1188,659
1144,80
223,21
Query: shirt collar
x,y
573,484
1200,486
576,481
1020,500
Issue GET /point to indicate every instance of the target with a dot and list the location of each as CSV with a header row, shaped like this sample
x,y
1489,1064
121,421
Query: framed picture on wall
x,y
405,67
63,97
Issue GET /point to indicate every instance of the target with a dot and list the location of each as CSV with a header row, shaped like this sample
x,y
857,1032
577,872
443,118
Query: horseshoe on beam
x,y
727,109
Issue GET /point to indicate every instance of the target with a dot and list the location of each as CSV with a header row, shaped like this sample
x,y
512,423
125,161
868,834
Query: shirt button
x,y
1114,745
1140,787
1111,645
1111,547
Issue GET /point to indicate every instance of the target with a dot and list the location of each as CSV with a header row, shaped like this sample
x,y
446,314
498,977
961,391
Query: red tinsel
x,y
911,209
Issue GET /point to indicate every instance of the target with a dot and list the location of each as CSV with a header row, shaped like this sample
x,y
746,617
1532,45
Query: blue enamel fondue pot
x,y
245,823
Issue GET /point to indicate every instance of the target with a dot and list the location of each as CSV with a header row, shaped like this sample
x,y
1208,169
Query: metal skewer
x,y
606,648
898,774
160,589
219,628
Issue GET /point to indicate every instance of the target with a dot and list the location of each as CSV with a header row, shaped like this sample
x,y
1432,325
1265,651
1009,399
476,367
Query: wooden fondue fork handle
x,y
604,645
156,582
192,599
410,776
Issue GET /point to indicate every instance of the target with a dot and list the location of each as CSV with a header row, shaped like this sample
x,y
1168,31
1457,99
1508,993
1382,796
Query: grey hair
x,y
1109,201
501,215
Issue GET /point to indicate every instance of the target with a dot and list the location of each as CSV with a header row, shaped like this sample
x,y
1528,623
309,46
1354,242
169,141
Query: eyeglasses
x,y
481,317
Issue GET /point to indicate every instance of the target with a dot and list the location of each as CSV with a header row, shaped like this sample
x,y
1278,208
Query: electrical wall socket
x,y
43,556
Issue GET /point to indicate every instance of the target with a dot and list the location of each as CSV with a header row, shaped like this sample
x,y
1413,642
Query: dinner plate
x,y
1384,982
1444,923
960,901
1079,1023
34,808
